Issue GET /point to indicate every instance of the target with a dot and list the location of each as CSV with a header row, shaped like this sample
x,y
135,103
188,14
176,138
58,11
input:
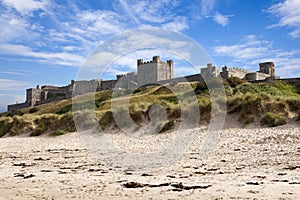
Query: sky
x,y
47,42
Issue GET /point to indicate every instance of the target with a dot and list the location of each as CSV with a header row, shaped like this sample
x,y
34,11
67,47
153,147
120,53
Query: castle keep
x,y
153,71
149,72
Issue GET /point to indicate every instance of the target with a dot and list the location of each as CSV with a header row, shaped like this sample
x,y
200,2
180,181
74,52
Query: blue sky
x,y
46,41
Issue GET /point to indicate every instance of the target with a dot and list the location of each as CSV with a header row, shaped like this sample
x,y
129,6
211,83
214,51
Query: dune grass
x,y
58,132
268,102
272,119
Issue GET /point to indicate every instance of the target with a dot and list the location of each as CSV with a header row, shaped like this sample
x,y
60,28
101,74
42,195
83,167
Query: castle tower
x,y
33,96
267,68
140,62
156,59
154,71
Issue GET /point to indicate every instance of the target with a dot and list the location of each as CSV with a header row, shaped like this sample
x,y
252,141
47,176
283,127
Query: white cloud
x,y
18,72
135,40
251,51
157,11
26,7
8,84
223,20
178,24
129,11
207,6
249,48
22,35
60,58
11,73
288,13
75,33
69,48
14,27
97,22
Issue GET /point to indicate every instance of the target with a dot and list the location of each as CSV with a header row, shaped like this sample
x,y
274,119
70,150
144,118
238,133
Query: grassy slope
x,y
269,103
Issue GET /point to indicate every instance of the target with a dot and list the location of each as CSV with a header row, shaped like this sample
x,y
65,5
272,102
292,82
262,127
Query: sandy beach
x,y
258,163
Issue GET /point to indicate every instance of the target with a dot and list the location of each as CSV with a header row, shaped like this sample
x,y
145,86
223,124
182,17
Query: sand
x,y
257,163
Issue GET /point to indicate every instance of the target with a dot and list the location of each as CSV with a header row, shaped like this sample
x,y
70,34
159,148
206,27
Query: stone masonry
x,y
150,72
154,71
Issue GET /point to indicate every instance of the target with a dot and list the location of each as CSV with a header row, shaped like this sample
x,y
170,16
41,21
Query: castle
x,y
149,72
266,71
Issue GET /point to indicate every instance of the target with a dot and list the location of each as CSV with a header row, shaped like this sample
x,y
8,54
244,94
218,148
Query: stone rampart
x,y
17,106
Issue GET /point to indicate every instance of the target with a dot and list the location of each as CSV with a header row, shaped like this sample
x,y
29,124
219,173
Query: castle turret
x,y
140,62
267,68
156,59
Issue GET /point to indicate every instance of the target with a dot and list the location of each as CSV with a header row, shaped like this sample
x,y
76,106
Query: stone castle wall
x,y
149,73
107,85
256,76
83,87
233,72
17,106
210,72
126,81
190,78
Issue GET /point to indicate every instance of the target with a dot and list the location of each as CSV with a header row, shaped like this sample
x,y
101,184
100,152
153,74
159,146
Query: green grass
x,y
273,88
5,126
272,119
267,102
58,133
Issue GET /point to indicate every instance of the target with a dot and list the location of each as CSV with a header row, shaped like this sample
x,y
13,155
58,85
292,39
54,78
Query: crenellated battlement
x,y
155,59
224,69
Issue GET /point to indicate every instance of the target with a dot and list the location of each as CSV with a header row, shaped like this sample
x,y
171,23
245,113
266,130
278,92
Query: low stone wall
x,y
17,106
83,87
256,76
191,78
291,80
286,80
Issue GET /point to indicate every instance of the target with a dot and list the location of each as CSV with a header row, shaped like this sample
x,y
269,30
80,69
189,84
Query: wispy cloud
x,y
250,47
146,38
178,24
251,51
60,58
27,31
223,20
207,6
11,73
157,11
97,22
18,72
26,7
129,11
15,27
66,43
288,13
9,84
